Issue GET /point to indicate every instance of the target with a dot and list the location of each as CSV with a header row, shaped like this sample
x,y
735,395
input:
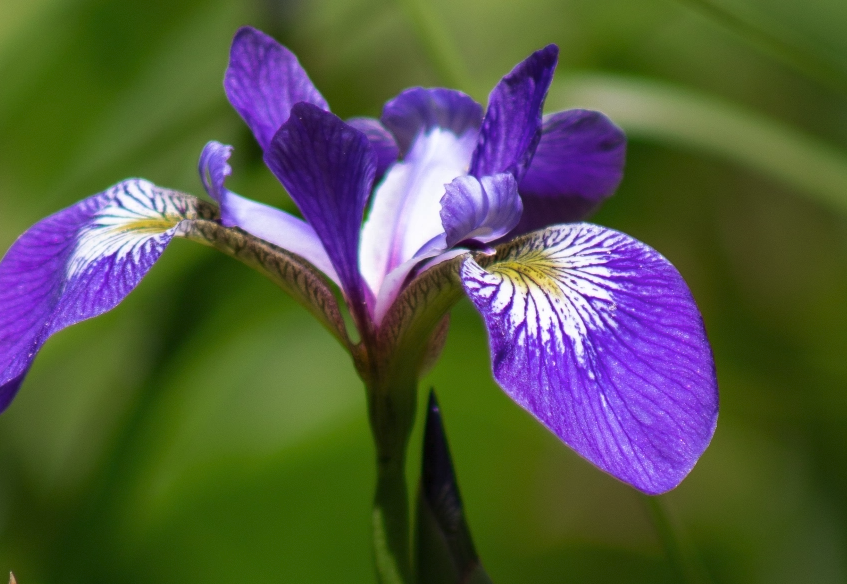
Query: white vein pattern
x,y
138,217
79,263
557,294
597,335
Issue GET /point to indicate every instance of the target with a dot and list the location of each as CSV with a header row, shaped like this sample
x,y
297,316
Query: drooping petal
x,y
480,209
263,221
578,164
597,336
263,81
383,143
436,130
79,263
512,125
328,168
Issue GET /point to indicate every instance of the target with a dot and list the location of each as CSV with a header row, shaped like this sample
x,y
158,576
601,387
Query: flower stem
x,y
391,405
391,524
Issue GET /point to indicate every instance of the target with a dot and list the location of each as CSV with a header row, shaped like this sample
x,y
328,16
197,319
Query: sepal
x,y
598,337
80,263
296,276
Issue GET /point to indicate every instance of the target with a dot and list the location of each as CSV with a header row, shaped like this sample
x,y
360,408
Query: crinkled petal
x,y
597,336
436,130
480,209
263,81
79,263
263,221
512,125
328,168
383,143
578,164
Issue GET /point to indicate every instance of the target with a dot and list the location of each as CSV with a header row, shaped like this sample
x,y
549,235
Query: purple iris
x,y
592,332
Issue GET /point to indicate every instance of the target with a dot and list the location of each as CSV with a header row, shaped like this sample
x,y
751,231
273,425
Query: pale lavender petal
x,y
578,164
79,263
328,168
512,125
383,143
436,130
418,110
396,279
263,81
597,336
263,221
480,209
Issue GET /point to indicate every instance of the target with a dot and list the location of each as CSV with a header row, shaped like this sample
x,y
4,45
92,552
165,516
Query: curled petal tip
x,y
214,168
481,210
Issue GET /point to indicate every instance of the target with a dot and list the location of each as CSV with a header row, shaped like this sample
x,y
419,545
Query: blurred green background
x,y
209,431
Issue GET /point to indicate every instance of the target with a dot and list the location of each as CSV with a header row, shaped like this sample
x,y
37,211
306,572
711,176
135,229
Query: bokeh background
x,y
209,431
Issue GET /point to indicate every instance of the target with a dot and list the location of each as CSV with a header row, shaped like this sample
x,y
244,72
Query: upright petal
x,y
512,125
382,141
263,221
79,263
597,336
328,168
418,110
436,130
263,81
578,164
480,209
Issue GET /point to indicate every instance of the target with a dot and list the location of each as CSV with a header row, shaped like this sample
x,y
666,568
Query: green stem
x,y
391,404
677,548
392,549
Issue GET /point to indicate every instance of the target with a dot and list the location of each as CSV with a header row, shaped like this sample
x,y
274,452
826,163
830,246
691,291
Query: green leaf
x,y
445,553
680,116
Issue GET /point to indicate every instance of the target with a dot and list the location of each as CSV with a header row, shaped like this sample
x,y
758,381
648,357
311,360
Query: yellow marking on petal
x,y
151,226
535,267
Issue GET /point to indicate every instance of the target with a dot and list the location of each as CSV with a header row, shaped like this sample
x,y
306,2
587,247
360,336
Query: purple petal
x,y
263,221
328,168
436,130
597,336
77,264
383,143
512,125
480,209
418,110
263,81
578,163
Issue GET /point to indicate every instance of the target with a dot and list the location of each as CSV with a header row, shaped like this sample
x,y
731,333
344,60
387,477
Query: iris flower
x,y
592,332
